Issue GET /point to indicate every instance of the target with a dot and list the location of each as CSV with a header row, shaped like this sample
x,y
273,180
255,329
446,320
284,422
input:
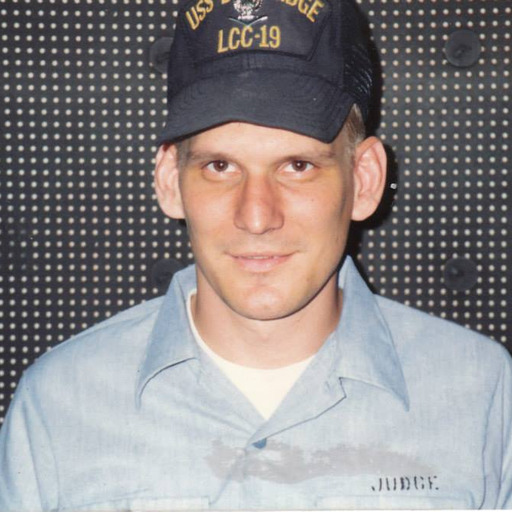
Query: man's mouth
x,y
260,262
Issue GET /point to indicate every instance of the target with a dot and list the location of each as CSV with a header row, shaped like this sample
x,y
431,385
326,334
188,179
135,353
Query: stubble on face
x,y
267,212
265,274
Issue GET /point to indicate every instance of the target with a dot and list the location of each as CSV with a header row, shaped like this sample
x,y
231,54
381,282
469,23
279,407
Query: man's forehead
x,y
242,141
230,135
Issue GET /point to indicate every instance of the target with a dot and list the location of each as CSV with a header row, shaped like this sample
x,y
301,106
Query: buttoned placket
x,y
318,389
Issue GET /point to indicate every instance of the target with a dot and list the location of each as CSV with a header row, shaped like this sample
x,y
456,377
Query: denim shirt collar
x,y
364,349
171,341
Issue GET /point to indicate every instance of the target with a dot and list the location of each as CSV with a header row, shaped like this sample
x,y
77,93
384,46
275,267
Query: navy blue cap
x,y
298,65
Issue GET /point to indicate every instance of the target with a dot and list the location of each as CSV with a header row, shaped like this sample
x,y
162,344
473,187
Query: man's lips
x,y
260,262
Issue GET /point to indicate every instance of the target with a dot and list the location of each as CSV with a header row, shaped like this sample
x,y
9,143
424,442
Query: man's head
x,y
268,193
268,211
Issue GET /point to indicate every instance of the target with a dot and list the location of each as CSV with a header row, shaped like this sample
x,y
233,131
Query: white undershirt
x,y
264,388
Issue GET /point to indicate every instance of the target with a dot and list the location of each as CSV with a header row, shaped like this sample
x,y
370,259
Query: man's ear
x,y
167,186
369,177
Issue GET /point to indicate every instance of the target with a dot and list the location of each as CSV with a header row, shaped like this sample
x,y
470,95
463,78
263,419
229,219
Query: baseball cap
x,y
298,65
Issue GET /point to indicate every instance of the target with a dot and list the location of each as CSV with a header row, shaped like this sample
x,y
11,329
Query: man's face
x,y
268,213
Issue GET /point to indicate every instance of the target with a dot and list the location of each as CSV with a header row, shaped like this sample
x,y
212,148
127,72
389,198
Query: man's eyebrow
x,y
315,155
323,155
192,156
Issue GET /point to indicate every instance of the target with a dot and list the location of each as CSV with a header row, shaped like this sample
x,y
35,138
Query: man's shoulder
x,y
421,336
113,343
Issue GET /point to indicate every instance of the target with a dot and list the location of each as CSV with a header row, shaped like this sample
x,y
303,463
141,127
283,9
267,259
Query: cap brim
x,y
303,104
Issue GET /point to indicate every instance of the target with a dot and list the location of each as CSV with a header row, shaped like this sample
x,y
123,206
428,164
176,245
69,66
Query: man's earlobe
x,y
167,185
370,163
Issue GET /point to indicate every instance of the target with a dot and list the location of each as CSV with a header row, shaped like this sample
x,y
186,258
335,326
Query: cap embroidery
x,y
294,64
247,9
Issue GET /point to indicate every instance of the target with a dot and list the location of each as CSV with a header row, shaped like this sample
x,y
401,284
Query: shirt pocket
x,y
143,505
365,502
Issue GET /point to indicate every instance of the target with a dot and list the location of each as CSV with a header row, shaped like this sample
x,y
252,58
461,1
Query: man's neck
x,y
268,343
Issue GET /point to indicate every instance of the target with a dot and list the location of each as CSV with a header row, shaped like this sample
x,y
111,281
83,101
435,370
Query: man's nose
x,y
259,205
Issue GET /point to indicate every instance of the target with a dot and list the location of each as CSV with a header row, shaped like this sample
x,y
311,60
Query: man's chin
x,y
263,307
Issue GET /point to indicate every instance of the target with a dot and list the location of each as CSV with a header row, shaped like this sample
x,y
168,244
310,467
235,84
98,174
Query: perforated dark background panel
x,y
82,237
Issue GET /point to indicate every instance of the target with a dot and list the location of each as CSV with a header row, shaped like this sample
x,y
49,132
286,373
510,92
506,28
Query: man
x,y
265,378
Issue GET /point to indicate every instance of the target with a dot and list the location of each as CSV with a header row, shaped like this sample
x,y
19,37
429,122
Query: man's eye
x,y
299,166
219,166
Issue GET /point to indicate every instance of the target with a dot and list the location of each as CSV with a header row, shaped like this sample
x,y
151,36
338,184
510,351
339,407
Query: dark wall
x,y
82,237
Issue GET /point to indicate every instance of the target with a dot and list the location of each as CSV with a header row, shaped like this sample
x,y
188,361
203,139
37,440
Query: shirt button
x,y
260,444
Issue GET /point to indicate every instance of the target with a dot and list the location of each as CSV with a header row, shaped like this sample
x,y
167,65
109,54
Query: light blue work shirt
x,y
397,410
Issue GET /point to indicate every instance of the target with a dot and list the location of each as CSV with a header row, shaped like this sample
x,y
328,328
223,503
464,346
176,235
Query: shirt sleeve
x,y
499,437
28,480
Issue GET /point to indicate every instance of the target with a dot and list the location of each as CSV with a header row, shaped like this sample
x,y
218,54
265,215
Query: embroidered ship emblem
x,y
247,9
